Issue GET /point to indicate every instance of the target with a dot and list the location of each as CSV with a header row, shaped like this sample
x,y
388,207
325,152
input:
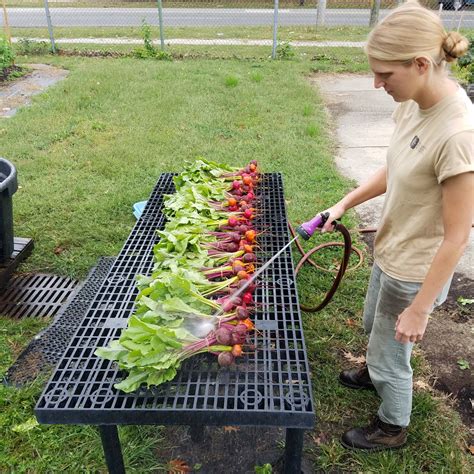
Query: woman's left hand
x,y
411,325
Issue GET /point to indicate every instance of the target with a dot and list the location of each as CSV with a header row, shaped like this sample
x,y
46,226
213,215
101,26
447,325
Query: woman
x,y
427,214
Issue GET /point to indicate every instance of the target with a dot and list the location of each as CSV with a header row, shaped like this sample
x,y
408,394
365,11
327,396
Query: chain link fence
x,y
212,27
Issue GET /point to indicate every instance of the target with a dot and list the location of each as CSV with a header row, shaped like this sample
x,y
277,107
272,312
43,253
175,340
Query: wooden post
x,y
6,26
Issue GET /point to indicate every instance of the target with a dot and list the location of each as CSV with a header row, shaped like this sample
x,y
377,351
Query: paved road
x,y
200,17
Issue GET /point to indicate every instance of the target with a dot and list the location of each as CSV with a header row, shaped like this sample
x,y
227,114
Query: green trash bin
x,y
8,186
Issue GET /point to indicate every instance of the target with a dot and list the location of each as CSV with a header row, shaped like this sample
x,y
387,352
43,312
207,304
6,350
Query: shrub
x,y
7,56
27,47
464,69
285,51
148,50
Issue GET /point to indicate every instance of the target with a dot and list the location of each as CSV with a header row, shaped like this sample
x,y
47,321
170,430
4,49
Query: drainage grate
x,y
36,295
45,350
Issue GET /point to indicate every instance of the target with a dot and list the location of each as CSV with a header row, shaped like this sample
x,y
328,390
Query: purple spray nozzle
x,y
307,229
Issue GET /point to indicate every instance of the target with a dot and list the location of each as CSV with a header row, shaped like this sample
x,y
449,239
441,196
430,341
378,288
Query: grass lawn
x,y
288,33
94,144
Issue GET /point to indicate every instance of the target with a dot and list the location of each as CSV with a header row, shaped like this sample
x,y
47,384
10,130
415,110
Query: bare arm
x,y
458,210
373,187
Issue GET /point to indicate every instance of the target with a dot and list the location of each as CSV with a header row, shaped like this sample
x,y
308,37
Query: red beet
x,y
247,298
234,236
223,336
240,328
238,268
237,338
243,228
249,258
225,359
241,313
251,288
232,247
235,300
226,306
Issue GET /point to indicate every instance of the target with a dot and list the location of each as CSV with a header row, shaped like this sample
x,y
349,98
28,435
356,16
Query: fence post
x,y
374,12
321,13
5,23
275,29
160,19
50,26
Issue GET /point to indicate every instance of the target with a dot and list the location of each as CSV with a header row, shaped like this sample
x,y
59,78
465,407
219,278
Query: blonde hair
x,y
412,31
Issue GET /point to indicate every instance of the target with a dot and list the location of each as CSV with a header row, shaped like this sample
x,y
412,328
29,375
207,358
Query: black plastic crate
x,y
270,387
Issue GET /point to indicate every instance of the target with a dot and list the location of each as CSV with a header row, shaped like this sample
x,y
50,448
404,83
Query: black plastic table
x,y
270,387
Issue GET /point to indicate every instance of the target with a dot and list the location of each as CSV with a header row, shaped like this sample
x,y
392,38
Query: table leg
x,y
293,450
112,449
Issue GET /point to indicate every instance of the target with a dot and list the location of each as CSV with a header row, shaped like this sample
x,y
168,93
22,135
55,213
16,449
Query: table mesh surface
x,y
270,386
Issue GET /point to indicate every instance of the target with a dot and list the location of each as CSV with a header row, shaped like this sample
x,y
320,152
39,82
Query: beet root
x,y
225,359
223,336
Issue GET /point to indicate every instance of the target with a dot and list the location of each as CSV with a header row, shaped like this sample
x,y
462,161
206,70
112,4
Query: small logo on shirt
x,y
414,142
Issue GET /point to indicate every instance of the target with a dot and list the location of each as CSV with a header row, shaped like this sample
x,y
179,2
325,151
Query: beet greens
x,y
187,305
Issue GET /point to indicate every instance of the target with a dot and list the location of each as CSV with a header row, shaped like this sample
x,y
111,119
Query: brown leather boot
x,y
375,437
358,379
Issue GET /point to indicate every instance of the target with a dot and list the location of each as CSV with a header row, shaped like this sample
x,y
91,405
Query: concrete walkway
x,y
362,120
16,94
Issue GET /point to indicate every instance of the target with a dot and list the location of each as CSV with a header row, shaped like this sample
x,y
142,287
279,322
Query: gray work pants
x,y
388,360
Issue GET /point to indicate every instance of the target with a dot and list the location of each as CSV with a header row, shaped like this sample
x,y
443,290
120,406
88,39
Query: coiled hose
x,y
348,249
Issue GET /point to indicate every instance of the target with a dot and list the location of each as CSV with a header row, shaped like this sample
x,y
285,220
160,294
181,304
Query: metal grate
x,y
268,387
36,295
45,350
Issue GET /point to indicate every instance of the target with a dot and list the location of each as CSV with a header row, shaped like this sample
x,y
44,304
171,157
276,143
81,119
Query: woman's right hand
x,y
335,212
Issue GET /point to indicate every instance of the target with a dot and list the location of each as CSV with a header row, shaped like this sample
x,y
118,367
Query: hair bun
x,y
455,45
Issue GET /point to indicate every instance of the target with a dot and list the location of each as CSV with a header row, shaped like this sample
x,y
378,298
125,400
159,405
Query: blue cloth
x,y
138,208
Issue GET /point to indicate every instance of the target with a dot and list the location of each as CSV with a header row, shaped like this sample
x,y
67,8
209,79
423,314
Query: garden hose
x,y
348,249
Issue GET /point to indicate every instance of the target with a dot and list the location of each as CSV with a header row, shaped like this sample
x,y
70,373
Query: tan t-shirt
x,y
427,147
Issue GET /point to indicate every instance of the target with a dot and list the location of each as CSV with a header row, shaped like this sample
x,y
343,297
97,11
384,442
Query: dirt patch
x,y
10,72
32,365
17,93
93,53
449,344
229,449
